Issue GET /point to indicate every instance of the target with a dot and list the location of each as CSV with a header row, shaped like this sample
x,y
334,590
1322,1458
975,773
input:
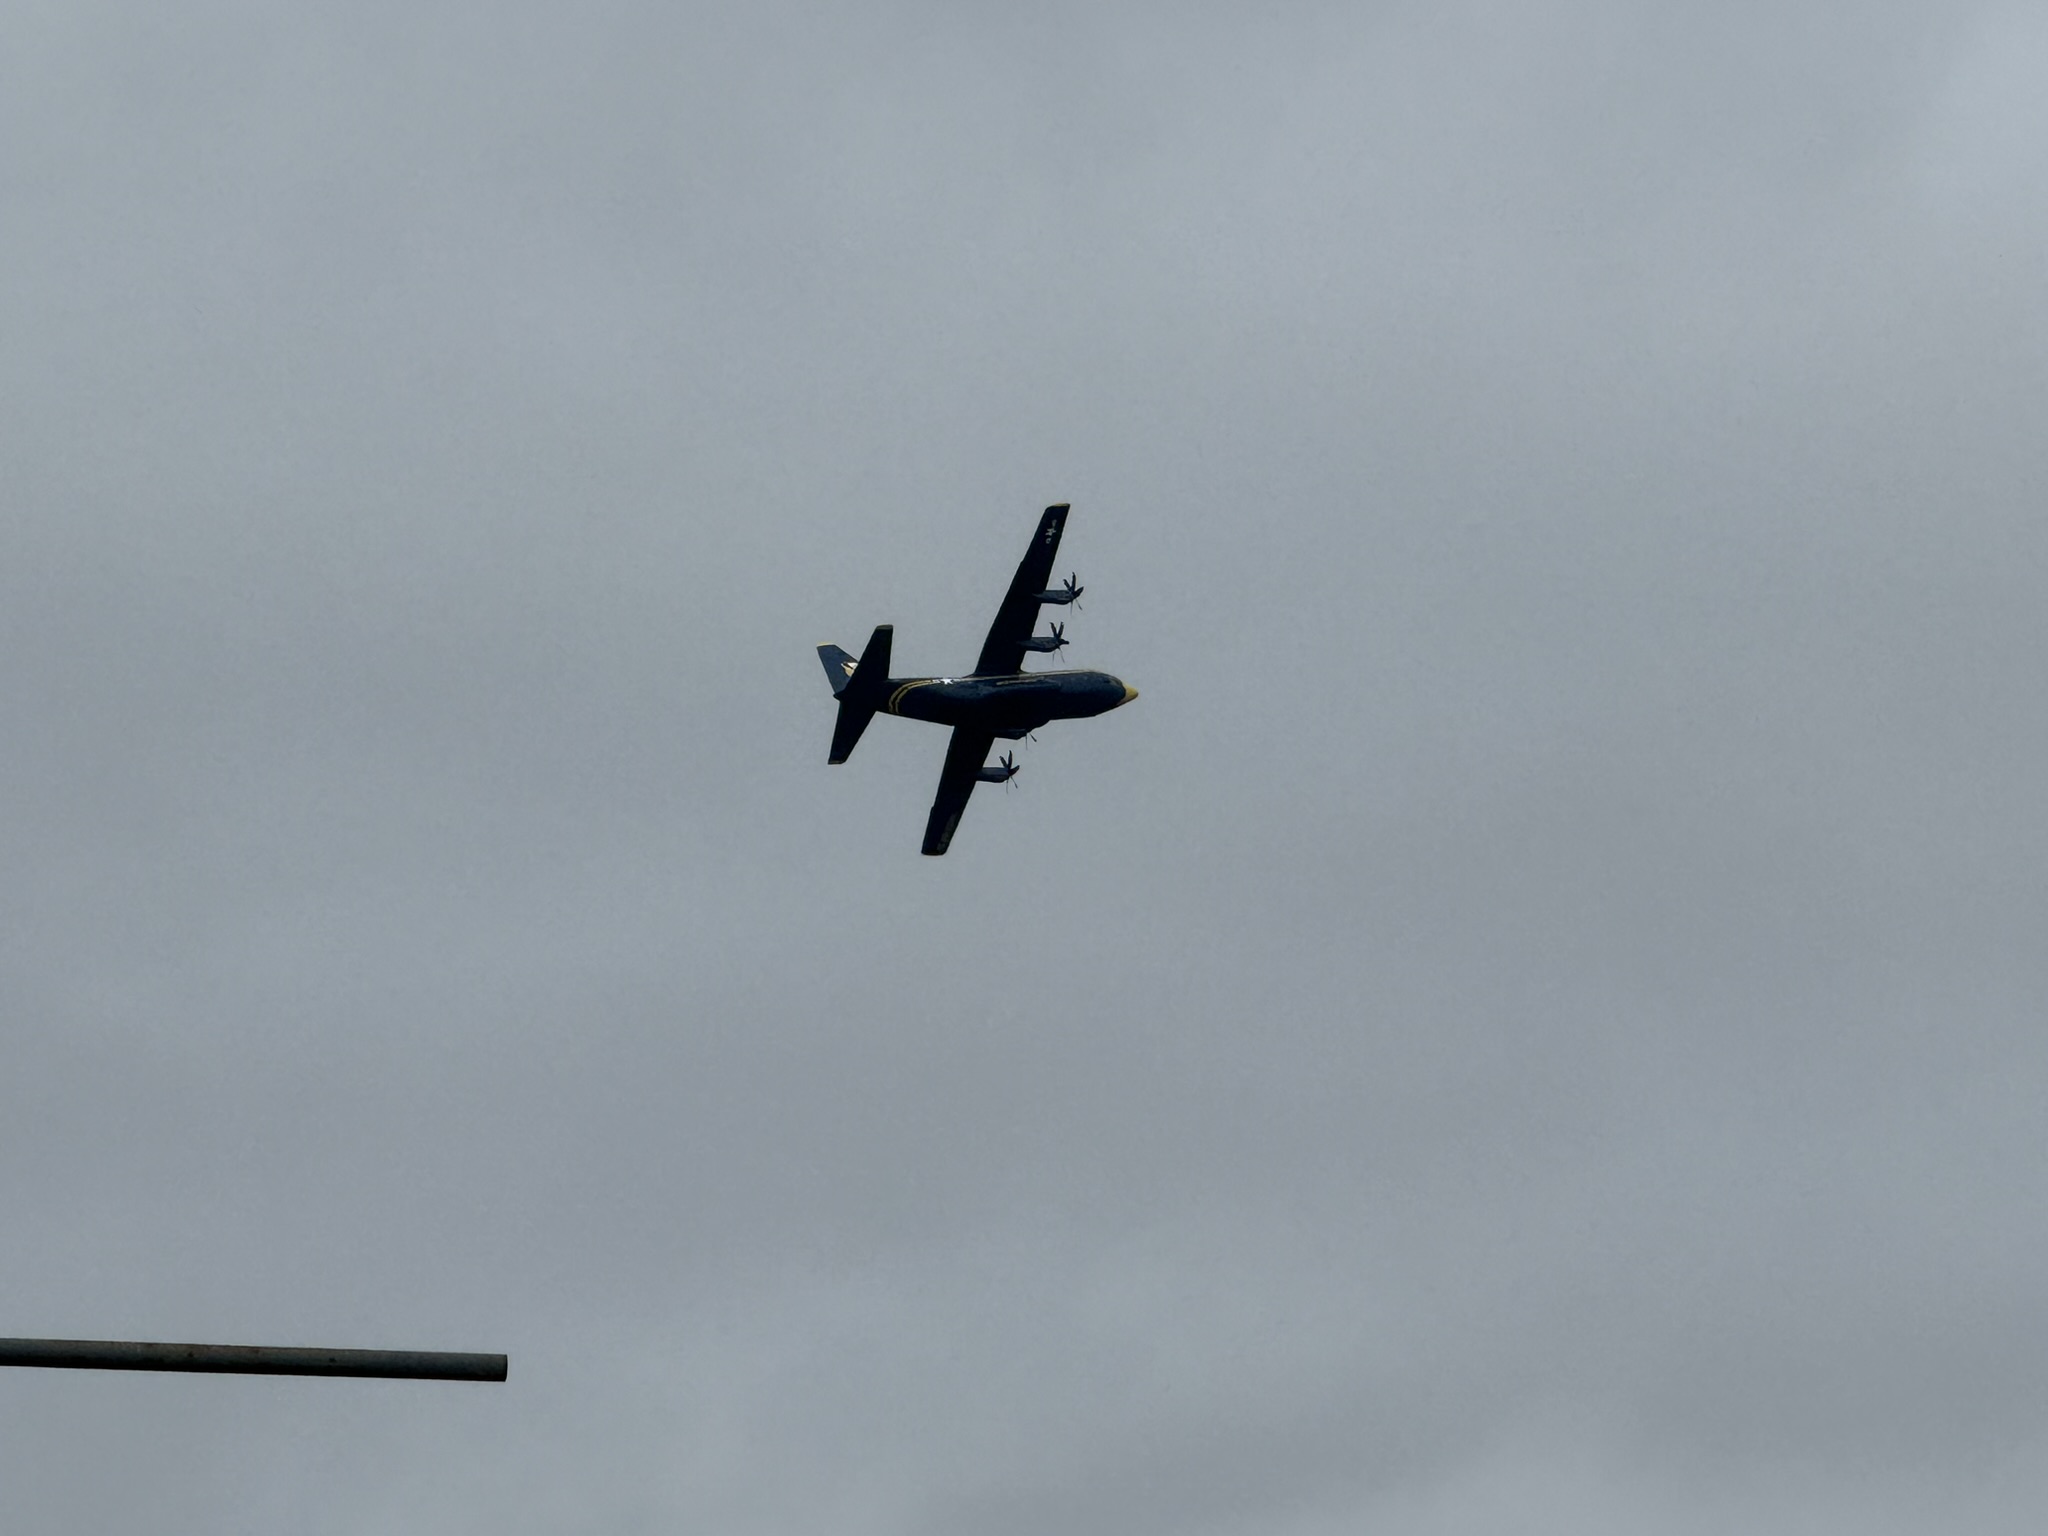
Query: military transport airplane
x,y
998,698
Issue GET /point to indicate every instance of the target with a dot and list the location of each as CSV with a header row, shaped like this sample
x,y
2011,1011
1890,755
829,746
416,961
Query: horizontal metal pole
x,y
250,1359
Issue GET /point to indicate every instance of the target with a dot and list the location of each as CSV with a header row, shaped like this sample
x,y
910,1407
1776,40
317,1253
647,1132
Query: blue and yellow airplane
x,y
998,698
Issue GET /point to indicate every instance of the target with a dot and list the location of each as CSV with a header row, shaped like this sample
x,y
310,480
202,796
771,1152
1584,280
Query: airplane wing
x,y
1003,651
964,754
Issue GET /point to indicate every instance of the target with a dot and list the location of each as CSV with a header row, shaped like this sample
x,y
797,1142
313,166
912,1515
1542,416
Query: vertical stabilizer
x,y
839,666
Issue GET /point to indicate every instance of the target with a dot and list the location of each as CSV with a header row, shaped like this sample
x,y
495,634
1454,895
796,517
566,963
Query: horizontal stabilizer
x,y
867,684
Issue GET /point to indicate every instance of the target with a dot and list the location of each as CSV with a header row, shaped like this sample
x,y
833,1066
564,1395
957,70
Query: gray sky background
x,y
1532,1023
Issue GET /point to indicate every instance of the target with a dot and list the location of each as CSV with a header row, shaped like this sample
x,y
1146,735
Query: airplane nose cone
x,y
1130,693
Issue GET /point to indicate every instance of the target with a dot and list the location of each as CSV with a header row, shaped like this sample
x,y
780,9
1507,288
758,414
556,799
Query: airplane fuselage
x,y
1006,705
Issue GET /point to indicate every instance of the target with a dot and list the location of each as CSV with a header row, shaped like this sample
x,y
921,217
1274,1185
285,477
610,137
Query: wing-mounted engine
x,y
1051,642
1001,771
1064,594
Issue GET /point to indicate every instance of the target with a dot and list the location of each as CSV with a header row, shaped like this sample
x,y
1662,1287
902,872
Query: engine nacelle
x,y
1051,642
1000,772
1063,594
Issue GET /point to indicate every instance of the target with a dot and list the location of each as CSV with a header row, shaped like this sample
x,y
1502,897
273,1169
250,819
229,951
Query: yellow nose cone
x,y
1130,693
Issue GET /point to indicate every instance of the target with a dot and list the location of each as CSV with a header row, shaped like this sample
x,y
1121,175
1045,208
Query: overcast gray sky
x,y
1532,1023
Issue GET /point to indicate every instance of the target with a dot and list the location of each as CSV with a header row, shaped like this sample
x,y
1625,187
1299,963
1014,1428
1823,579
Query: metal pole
x,y
250,1359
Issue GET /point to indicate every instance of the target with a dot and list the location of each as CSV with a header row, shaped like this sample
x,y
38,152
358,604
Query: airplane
x,y
998,698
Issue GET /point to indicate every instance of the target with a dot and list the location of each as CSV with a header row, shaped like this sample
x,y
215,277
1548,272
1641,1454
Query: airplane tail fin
x,y
839,666
865,684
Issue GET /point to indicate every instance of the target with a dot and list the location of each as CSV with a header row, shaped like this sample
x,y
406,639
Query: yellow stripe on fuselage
x,y
897,697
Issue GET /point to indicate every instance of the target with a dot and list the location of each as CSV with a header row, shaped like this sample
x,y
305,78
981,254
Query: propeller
x,y
1063,594
1045,643
1000,772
